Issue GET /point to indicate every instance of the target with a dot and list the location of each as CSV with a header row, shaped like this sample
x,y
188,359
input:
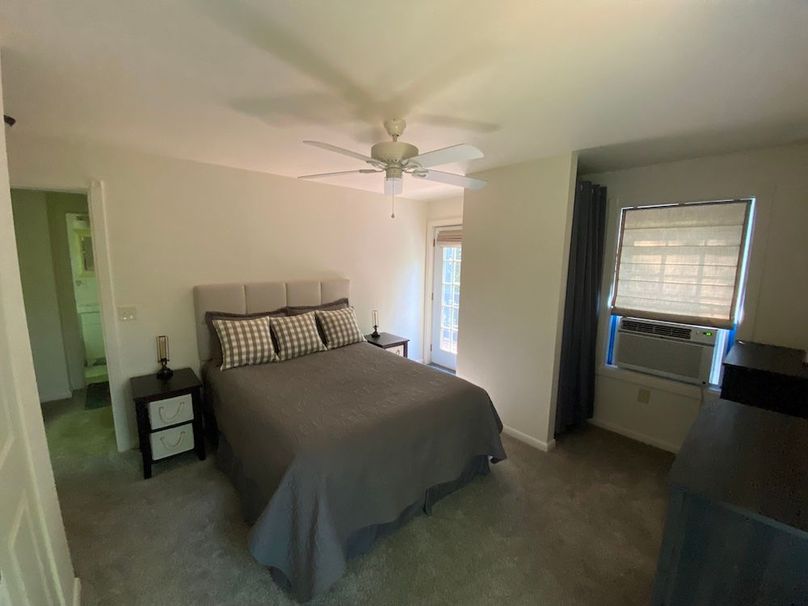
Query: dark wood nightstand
x,y
169,416
392,343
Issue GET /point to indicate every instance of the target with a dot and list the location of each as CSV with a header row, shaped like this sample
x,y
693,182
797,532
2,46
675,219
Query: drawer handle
x,y
164,418
175,444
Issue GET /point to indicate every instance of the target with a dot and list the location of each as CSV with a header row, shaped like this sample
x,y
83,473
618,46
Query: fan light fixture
x,y
396,158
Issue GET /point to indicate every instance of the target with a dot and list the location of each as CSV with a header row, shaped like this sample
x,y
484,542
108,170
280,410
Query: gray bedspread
x,y
334,442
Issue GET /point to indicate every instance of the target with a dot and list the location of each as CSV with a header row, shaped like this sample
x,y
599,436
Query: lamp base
x,y
375,333
165,373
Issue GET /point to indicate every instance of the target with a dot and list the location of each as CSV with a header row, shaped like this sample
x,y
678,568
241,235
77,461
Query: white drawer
x,y
171,441
171,411
398,350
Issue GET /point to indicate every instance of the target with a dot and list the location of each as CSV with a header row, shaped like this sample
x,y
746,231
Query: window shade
x,y
681,263
450,236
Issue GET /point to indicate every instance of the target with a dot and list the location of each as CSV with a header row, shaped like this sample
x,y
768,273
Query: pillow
x,y
245,342
215,343
296,335
340,327
296,310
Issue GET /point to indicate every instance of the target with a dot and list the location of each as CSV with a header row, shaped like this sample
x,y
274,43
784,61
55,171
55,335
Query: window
x,y
450,298
681,262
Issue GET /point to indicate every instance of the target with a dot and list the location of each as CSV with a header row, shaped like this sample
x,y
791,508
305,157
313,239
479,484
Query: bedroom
x,y
184,127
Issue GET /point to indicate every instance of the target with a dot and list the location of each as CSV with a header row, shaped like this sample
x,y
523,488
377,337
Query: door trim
x,y
431,227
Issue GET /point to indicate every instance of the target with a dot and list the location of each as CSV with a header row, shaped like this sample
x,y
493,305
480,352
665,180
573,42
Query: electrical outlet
x,y
643,396
127,314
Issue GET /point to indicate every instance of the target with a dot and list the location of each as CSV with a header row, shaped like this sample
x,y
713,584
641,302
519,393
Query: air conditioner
x,y
676,351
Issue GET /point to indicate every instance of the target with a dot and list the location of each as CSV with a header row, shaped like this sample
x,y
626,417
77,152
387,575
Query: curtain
x,y
681,262
576,378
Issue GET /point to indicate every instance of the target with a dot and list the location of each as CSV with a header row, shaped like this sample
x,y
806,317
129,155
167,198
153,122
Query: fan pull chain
x,y
392,206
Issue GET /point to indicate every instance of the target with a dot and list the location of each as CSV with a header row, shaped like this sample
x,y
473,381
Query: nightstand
x,y
169,416
392,343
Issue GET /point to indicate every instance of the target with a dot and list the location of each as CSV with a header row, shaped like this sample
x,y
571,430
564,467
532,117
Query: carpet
x,y
580,525
97,396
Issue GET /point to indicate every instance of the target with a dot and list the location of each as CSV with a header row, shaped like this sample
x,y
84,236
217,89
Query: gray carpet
x,y
580,525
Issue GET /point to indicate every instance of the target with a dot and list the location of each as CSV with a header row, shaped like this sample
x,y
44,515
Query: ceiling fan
x,y
396,158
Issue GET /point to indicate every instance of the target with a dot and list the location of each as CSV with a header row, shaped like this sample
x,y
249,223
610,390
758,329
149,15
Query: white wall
x,y
445,208
173,224
39,290
515,251
777,287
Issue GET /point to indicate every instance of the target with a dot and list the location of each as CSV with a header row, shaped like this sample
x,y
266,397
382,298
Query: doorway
x,y
447,261
60,294
85,295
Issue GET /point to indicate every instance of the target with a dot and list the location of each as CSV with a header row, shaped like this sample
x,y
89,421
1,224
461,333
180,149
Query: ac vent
x,y
660,330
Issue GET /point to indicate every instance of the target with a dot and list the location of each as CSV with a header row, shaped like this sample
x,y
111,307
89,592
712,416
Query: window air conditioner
x,y
676,351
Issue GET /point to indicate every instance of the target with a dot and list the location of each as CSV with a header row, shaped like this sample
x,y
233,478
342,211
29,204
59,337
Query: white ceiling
x,y
241,83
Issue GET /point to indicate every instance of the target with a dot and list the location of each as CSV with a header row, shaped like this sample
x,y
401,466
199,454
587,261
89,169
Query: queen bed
x,y
331,450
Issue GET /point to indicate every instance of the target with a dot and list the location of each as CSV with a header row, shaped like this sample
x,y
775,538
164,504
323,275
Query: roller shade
x,y
450,236
681,263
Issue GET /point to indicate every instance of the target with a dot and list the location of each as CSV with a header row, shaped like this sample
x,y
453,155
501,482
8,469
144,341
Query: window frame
x,y
726,336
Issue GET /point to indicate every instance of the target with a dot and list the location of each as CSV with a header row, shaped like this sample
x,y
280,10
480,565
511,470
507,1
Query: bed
x,y
332,450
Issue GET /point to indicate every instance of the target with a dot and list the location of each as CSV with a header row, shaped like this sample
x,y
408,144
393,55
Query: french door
x,y
446,296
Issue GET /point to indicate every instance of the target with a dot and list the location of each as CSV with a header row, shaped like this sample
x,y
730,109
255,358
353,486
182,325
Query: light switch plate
x,y
127,314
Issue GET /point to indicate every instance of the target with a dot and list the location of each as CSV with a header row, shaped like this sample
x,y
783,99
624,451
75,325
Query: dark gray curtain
x,y
576,379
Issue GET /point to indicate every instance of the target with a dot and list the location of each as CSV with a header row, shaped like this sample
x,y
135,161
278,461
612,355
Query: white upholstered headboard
x,y
259,296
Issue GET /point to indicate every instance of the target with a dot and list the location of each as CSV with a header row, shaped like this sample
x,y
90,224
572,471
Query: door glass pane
x,y
450,298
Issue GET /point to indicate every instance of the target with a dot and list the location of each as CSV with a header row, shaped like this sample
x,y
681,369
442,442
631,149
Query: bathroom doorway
x,y
88,307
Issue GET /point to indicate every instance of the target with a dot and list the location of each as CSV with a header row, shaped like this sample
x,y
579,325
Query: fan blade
x,y
452,179
447,155
339,150
341,172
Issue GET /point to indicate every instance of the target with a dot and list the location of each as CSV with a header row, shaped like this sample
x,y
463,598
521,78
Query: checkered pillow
x,y
296,335
340,327
245,342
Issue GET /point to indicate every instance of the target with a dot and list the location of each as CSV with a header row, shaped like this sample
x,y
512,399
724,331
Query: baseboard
x,y
634,435
76,591
529,440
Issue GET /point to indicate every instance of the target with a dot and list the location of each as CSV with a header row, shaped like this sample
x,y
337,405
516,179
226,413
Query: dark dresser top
x,y
385,339
768,358
150,387
749,458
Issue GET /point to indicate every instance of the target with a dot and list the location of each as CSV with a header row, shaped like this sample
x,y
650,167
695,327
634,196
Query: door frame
x,y
431,228
99,229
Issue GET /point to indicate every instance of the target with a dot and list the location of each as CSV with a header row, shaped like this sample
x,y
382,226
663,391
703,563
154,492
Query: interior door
x,y
446,300
35,567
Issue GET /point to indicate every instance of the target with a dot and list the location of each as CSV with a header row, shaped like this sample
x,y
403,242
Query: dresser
x,y
169,416
737,525
766,376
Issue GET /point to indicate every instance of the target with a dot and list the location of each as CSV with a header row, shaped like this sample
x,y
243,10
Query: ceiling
x,y
242,82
